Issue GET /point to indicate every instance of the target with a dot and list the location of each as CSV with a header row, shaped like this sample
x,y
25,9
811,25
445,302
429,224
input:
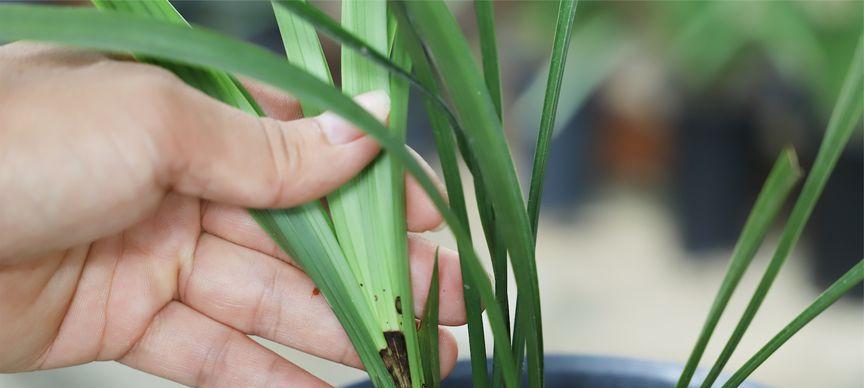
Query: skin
x,y
123,234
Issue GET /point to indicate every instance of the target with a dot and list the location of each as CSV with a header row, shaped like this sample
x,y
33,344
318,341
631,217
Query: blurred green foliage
x,y
699,42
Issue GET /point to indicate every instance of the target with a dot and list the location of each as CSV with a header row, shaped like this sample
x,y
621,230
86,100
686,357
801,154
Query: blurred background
x,y
671,115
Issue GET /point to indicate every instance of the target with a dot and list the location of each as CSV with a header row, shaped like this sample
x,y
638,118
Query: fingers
x,y
263,296
212,151
420,212
236,225
184,346
447,355
451,309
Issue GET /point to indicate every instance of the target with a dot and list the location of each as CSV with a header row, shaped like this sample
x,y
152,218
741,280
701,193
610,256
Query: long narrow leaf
x,y
843,285
558,58
302,48
441,36
289,231
776,190
846,115
355,216
428,332
399,94
437,110
344,37
368,212
347,39
563,31
446,146
485,13
324,23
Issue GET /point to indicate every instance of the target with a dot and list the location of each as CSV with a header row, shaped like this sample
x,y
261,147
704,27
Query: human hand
x,y
124,234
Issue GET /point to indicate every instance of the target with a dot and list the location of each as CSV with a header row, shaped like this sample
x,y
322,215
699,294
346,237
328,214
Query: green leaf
x,y
437,110
324,262
429,332
355,214
302,48
561,43
332,29
441,36
846,115
776,190
843,285
368,212
385,206
485,14
446,146
428,88
399,95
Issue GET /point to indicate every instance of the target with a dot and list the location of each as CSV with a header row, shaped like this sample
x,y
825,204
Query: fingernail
x,y
341,131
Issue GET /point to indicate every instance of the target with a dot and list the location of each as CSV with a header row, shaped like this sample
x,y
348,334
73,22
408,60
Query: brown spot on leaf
x,y
316,291
395,358
399,305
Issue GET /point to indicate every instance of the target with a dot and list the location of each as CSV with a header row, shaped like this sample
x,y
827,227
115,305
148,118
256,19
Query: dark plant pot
x,y
594,372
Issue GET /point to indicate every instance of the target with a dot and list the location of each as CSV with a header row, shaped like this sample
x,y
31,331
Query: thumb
x,y
226,155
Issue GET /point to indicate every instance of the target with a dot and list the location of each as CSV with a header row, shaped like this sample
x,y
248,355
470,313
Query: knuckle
x,y
158,84
267,316
295,153
216,362
153,100
155,90
347,354
286,150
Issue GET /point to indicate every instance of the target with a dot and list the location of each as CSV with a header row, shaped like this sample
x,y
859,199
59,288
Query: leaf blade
x,y
485,14
558,60
779,184
441,36
446,145
846,114
429,331
839,288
